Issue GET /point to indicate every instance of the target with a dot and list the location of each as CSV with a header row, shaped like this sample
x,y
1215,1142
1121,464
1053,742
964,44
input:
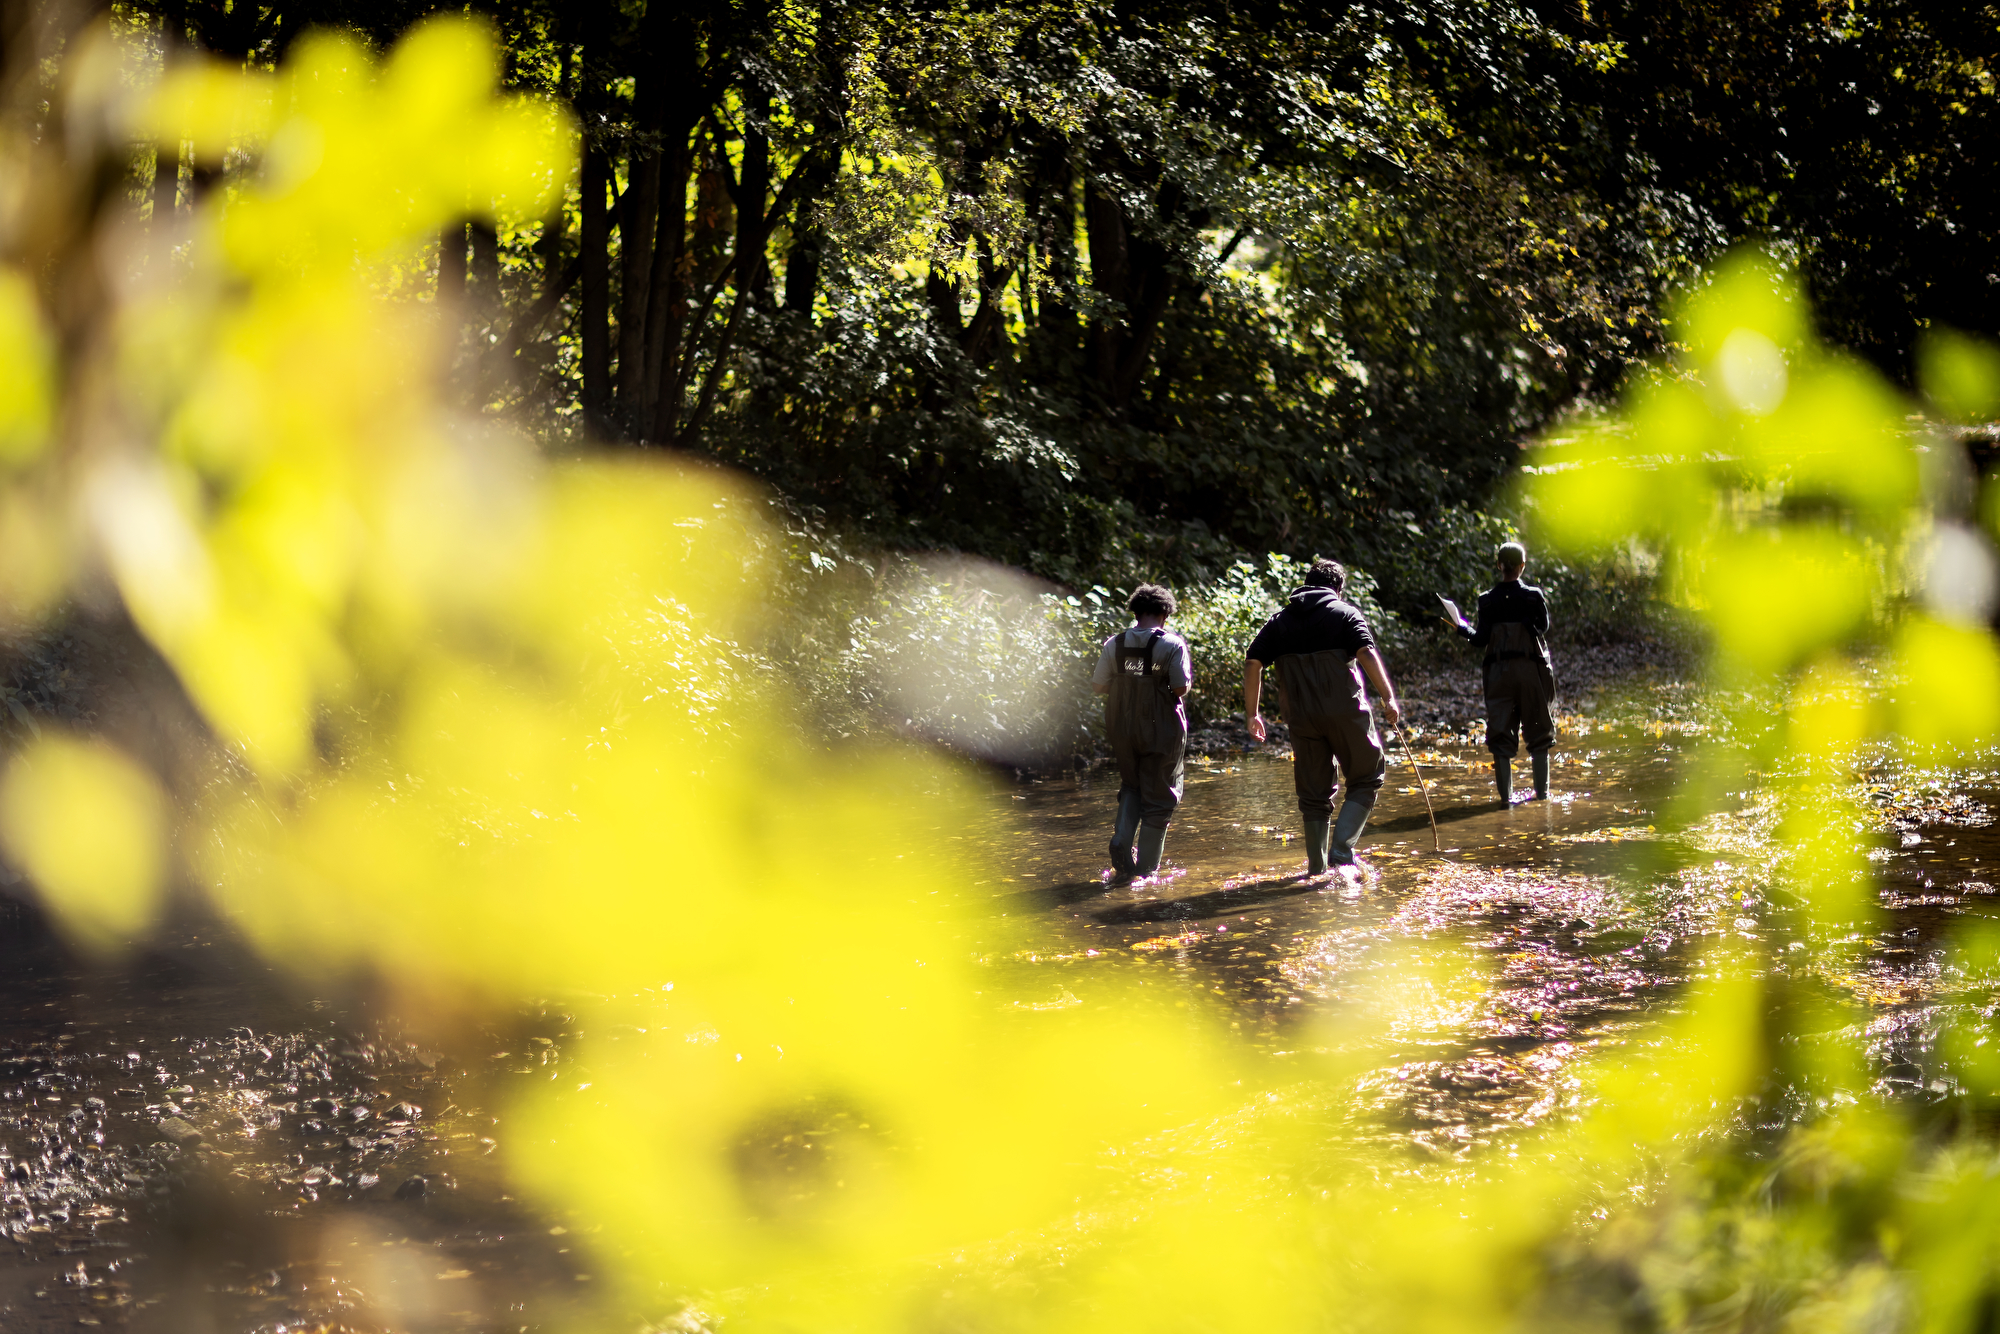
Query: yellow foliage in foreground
x,y
431,655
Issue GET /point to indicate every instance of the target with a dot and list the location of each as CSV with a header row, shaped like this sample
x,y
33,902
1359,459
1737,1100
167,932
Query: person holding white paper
x,y
1520,683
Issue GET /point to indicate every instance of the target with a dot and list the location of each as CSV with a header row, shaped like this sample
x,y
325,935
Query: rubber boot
x,y
1540,760
1152,842
1123,833
1353,819
1503,778
1318,828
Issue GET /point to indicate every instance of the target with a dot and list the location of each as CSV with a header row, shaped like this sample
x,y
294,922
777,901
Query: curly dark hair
x,y
1152,600
1327,574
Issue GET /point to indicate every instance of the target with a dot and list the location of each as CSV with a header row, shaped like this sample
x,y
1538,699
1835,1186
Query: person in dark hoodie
x,y
1144,673
1321,645
1520,683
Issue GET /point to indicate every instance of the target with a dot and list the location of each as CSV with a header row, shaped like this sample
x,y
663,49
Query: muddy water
x,y
188,1145
1465,985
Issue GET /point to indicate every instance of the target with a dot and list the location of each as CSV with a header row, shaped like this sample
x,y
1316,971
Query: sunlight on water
x,y
853,1051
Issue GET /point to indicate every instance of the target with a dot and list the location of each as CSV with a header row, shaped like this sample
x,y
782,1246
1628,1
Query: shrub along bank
x,y
998,664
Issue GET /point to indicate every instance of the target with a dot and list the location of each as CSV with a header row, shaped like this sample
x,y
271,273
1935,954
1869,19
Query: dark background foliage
x,y
1137,288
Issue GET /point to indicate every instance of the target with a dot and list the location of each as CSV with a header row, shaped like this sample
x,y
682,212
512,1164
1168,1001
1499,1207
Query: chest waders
x,y
1148,731
1520,686
1333,735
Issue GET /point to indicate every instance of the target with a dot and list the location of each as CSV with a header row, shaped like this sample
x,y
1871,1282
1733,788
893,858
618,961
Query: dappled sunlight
x,y
787,1011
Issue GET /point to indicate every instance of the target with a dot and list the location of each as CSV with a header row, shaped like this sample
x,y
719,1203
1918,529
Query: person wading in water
x,y
1317,641
1520,684
1144,673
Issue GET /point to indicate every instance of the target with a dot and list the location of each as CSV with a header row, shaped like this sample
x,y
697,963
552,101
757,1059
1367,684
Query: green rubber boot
x,y
1503,778
1317,830
1122,835
1353,819
1540,761
1152,843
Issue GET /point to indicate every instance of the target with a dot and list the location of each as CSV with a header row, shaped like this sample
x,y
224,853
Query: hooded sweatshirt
x,y
1312,621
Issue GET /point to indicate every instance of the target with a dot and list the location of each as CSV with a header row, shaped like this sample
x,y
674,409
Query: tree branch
x,y
1234,241
545,305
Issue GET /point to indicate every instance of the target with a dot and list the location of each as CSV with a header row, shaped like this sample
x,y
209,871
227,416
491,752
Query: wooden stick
x,y
1437,844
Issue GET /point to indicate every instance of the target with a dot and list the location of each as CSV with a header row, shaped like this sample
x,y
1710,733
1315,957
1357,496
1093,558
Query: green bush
x,y
998,666
1221,617
1450,552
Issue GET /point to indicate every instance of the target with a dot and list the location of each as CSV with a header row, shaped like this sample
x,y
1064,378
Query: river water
x,y
186,1144
1467,978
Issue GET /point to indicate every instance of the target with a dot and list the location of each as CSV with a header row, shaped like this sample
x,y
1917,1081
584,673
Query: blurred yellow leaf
x,y
1950,695
1749,293
211,106
1777,595
1960,375
26,365
89,827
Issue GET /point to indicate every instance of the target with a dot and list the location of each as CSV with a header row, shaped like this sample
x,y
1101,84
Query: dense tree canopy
x,y
1150,281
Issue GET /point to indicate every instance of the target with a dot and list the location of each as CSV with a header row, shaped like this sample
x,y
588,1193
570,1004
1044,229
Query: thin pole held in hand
x,y
1437,844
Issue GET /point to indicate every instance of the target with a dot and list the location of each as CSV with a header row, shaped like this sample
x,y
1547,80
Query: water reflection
x,y
1470,983
1441,1006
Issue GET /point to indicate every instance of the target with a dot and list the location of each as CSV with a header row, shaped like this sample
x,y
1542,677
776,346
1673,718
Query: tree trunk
x,y
595,252
549,247
807,254
752,272
984,333
666,317
1057,319
451,265
639,216
485,271
802,266
638,221
1134,271
166,190
1111,275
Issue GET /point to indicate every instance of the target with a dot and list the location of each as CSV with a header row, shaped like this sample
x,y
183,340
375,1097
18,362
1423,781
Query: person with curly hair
x,y
1143,673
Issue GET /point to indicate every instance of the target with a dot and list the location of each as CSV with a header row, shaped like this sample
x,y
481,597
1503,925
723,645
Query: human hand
x,y
1392,712
1257,726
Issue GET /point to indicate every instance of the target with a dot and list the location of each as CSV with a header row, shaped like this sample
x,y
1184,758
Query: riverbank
x,y
1431,1017
1443,703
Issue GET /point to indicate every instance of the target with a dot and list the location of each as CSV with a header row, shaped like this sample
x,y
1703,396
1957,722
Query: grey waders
x,y
1148,730
1540,760
1333,737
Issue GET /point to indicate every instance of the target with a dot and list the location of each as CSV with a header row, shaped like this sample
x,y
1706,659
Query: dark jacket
x,y
1509,602
1311,621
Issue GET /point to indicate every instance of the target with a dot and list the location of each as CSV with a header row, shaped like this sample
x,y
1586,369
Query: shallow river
x,y
186,1145
1477,976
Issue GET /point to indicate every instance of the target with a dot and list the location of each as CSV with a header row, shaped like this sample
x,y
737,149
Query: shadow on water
x,y
1409,824
1216,903
1055,896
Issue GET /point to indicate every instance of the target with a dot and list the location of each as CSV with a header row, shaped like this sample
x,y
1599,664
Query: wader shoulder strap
x,y
1139,661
